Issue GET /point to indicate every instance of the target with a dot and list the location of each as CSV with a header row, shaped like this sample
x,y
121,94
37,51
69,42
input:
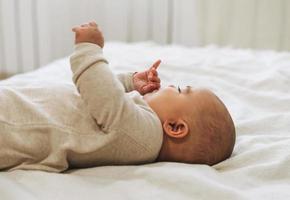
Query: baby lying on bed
x,y
103,119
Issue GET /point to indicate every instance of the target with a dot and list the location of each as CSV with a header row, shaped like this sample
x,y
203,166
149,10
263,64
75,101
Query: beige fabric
x,y
51,127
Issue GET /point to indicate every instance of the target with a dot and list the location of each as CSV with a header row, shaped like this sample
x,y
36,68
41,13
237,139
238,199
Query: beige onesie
x,y
98,121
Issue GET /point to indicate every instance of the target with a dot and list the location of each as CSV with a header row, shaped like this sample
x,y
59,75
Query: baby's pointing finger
x,y
154,72
155,65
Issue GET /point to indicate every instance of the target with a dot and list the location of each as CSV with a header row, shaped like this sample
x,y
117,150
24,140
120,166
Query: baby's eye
x,y
179,90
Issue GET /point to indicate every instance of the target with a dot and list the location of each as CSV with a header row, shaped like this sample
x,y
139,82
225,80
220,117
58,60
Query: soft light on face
x,y
169,101
168,91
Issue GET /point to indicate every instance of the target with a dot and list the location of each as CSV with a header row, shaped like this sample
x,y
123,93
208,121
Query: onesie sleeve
x,y
127,81
101,90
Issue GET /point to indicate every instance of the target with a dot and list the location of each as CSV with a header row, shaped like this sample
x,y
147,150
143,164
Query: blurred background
x,y
36,32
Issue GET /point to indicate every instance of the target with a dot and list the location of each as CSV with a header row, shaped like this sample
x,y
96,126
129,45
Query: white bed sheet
x,y
255,86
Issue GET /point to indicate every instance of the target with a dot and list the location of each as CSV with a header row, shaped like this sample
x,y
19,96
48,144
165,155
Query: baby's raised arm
x,y
100,89
144,82
124,118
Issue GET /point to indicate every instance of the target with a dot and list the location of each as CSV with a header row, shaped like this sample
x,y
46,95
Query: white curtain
x,y
35,32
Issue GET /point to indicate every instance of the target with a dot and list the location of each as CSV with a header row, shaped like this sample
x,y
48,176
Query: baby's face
x,y
171,101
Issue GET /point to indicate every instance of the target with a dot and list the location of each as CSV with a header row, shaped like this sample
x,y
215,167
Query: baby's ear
x,y
176,128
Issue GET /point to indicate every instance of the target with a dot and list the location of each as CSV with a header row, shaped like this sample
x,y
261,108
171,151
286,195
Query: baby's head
x,y
197,126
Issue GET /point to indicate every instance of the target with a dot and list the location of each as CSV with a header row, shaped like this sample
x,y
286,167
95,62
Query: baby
x,y
111,120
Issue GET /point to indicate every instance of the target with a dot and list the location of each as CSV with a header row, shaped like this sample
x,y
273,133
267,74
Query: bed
x,y
254,85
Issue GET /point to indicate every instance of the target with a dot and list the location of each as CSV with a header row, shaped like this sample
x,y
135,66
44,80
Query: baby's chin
x,y
150,94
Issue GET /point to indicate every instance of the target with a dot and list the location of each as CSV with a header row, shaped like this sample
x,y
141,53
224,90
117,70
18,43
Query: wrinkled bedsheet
x,y
254,85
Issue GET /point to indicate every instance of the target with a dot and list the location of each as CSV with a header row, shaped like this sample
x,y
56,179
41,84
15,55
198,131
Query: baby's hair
x,y
215,133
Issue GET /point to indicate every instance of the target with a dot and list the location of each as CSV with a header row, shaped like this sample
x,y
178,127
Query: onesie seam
x,y
135,141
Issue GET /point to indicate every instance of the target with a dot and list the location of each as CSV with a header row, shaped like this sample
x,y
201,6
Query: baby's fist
x,y
89,33
147,81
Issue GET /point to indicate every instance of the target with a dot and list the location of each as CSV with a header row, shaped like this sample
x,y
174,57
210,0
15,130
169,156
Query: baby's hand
x,y
89,33
147,81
